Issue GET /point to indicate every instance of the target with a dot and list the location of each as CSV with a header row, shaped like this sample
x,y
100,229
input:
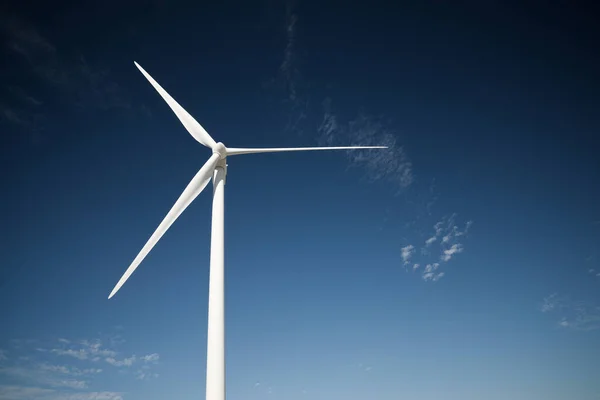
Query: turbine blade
x,y
192,126
236,151
193,189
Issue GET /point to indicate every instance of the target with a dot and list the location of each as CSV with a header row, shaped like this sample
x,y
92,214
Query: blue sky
x,y
462,263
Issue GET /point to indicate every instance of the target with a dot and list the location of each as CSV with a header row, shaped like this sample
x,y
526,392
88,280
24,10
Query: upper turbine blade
x,y
236,151
193,189
193,127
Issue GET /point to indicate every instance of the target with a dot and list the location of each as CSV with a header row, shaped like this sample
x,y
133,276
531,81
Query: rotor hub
x,y
221,150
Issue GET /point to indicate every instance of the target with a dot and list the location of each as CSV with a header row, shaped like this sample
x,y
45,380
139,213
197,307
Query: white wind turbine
x,y
215,167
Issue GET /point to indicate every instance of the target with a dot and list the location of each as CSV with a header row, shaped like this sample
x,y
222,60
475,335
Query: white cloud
x,y
445,239
90,396
3,356
151,358
466,230
390,165
453,232
144,375
66,77
80,353
362,367
68,370
438,228
288,67
126,362
407,253
431,267
430,241
14,392
94,347
42,378
579,316
583,317
55,368
69,383
551,302
432,276
38,376
448,253
84,350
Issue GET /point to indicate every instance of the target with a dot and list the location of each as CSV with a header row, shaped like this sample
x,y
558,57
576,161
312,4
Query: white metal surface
x,y
232,151
192,126
215,344
215,167
193,189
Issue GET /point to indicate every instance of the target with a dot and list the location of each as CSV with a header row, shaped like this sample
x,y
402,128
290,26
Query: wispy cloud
x,y
575,315
445,237
430,272
289,79
80,354
82,350
126,362
448,253
430,241
390,165
43,371
407,253
432,276
68,370
42,73
448,235
551,302
3,356
16,392
362,366
151,358
288,67
44,377
143,374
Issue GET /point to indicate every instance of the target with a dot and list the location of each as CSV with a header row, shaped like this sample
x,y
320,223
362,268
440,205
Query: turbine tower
x,y
215,168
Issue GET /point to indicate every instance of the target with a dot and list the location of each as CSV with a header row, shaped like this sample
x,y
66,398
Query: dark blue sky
x,y
462,263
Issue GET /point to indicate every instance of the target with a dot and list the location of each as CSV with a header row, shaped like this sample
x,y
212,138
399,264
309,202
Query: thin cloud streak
x,y
17,392
42,372
389,165
573,315
407,253
67,80
444,238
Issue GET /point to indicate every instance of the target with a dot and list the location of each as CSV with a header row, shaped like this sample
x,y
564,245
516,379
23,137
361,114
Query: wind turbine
x,y
215,167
